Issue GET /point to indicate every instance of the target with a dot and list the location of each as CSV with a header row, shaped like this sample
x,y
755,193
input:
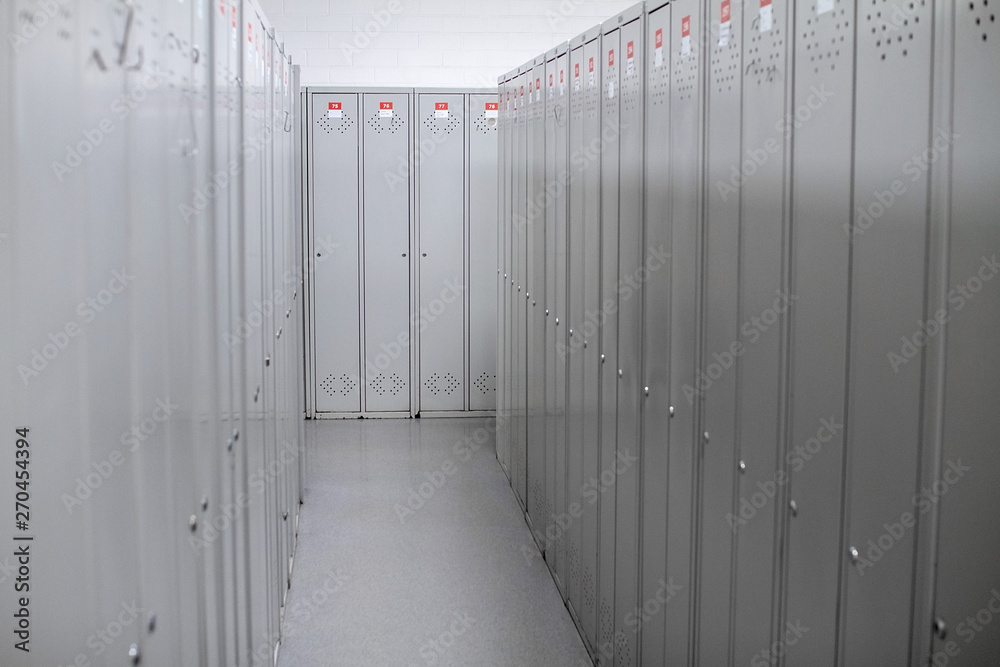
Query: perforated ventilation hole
x,y
391,124
659,79
387,384
332,125
574,562
726,62
486,383
486,125
343,385
443,126
983,17
764,56
623,650
589,591
607,632
445,384
686,75
891,26
827,48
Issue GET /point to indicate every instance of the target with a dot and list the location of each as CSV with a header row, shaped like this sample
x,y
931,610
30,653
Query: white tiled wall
x,y
426,42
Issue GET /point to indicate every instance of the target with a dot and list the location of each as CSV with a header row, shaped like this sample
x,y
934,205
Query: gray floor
x,y
453,578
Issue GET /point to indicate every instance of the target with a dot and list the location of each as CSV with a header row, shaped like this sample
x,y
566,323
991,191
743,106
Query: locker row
x,y
748,299
401,189
150,333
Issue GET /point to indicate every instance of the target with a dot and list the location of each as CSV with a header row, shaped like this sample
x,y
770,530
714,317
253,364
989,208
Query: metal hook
x,y
138,64
288,121
100,60
128,31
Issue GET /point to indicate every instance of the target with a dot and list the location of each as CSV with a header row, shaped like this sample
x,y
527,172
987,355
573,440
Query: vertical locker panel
x,y
763,303
535,293
715,384
441,186
386,215
504,236
610,370
482,382
575,427
821,211
334,153
688,42
892,125
547,304
589,322
968,550
656,333
557,307
633,271
521,225
516,297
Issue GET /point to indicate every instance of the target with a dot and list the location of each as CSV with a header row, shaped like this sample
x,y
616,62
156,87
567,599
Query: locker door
x,y
968,550
764,301
548,306
610,370
482,383
633,271
441,184
715,384
821,208
892,124
336,219
587,344
503,381
559,306
520,301
574,359
516,295
534,292
387,144
656,335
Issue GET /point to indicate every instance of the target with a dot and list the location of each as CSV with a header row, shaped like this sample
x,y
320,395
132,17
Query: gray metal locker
x,y
820,280
386,143
656,410
573,314
334,155
504,236
610,373
484,119
589,320
968,549
688,55
632,272
441,225
535,224
546,303
889,249
715,383
764,301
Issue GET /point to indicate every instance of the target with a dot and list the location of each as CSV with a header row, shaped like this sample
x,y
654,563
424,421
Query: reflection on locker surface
x,y
150,310
393,174
747,343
